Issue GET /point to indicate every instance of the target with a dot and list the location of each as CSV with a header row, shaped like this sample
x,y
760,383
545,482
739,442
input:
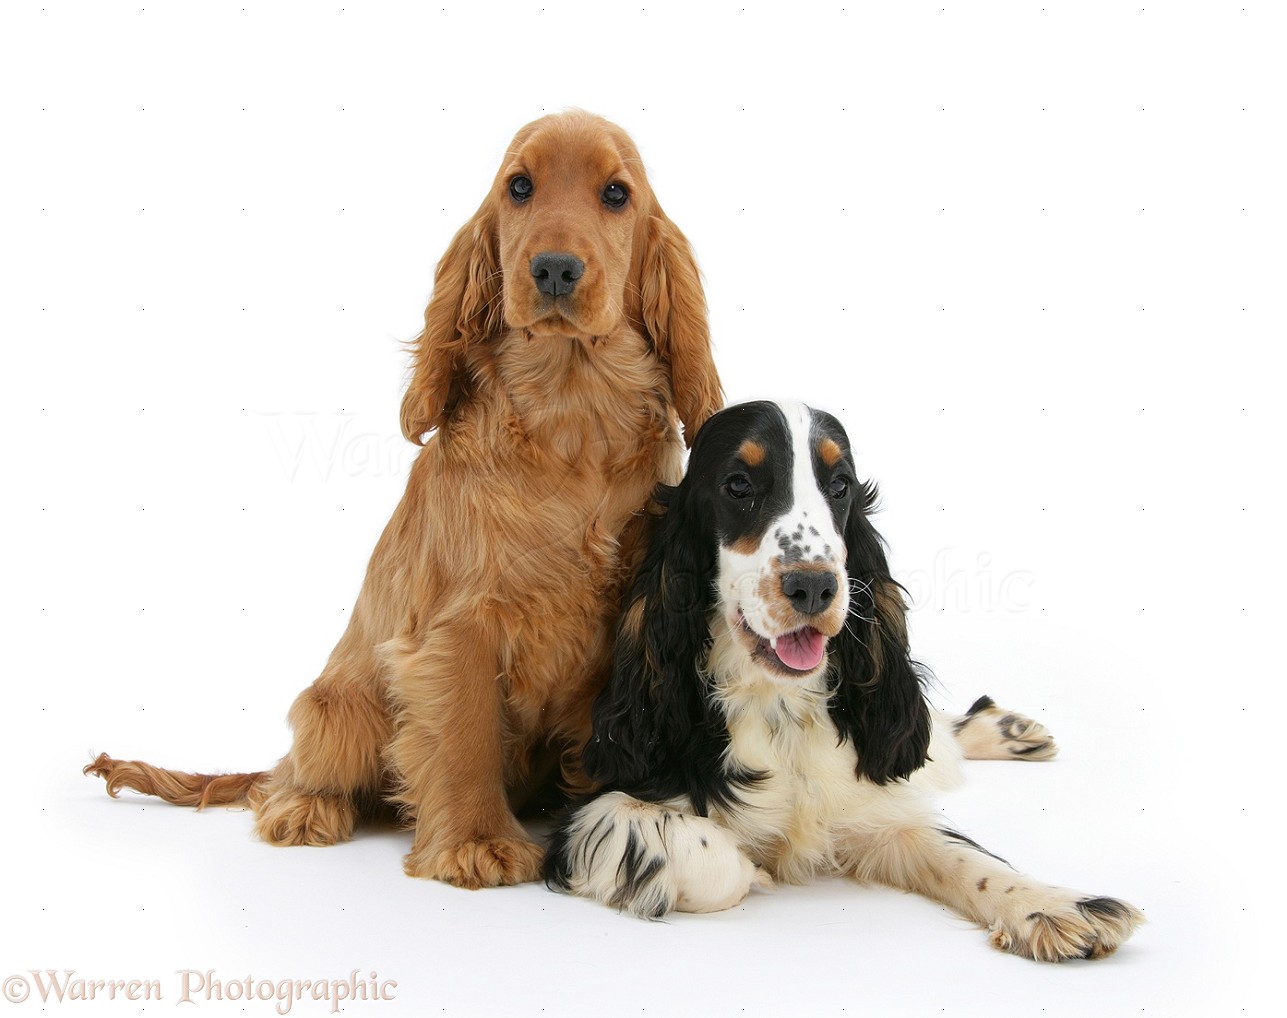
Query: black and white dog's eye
x,y
520,188
615,195
838,488
739,487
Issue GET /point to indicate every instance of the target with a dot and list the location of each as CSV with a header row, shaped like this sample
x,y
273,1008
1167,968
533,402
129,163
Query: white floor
x,y
132,889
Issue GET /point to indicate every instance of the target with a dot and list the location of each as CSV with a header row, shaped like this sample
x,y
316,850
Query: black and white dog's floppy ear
x,y
654,732
878,700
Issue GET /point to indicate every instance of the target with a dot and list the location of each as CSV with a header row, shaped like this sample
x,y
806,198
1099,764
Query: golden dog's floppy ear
x,y
672,314
465,308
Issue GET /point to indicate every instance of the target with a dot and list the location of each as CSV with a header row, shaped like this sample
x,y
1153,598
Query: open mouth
x,y
798,652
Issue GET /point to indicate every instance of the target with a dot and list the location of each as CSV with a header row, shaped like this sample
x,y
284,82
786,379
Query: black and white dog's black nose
x,y
809,591
556,273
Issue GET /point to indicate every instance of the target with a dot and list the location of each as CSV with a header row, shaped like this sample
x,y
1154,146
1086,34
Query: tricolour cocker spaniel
x,y
565,341
764,719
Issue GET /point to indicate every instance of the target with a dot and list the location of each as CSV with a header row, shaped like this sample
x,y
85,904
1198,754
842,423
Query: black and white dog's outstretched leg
x,y
1023,916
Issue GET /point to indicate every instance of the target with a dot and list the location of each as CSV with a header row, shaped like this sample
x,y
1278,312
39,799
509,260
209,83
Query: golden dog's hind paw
x,y
293,817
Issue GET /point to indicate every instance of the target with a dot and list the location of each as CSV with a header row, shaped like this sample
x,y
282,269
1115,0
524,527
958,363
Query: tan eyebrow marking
x,y
829,451
751,453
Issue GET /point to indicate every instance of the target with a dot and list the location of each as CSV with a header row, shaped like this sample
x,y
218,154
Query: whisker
x,y
861,642
859,585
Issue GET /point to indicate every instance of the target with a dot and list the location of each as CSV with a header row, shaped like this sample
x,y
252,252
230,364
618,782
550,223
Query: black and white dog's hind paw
x,y
989,732
649,859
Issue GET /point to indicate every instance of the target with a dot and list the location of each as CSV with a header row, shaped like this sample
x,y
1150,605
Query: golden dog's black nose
x,y
556,273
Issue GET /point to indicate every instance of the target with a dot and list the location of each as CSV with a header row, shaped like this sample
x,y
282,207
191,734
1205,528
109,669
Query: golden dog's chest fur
x,y
561,490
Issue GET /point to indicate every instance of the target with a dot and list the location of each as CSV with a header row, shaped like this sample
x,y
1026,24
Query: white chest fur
x,y
801,819
790,820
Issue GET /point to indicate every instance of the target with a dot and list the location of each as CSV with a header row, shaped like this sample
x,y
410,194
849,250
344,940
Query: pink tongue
x,y
802,650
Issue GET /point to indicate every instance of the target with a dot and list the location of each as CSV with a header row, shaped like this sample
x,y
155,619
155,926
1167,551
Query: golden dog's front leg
x,y
449,756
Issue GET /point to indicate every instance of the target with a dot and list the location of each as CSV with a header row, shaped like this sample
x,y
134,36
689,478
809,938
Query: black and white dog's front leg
x,y
649,859
1023,916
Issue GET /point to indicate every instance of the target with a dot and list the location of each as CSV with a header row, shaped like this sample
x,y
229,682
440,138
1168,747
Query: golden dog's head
x,y
570,243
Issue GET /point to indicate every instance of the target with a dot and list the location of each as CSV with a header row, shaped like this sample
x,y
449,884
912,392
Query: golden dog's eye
x,y
615,195
520,188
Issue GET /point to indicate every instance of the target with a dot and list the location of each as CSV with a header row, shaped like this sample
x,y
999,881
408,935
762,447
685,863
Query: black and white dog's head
x,y
781,486
763,565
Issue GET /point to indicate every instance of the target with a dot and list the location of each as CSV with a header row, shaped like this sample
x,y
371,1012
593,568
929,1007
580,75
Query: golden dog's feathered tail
x,y
179,787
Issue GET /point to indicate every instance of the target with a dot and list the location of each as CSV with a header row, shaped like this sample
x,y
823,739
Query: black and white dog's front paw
x,y
1067,925
649,859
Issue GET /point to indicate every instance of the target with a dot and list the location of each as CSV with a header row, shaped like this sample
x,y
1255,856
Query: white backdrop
x,y
1031,253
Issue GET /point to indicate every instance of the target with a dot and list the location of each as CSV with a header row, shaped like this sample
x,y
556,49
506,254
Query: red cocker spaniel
x,y
565,340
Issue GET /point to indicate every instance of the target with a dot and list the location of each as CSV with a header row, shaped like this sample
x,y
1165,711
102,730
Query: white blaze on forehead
x,y
810,514
804,534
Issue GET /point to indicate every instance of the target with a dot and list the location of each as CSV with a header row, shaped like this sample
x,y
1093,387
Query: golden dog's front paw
x,y
1089,928
485,862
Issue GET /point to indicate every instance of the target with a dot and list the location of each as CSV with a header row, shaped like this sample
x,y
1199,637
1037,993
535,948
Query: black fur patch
x,y
556,869
957,838
977,707
656,733
1106,908
635,875
711,467
878,697
824,427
